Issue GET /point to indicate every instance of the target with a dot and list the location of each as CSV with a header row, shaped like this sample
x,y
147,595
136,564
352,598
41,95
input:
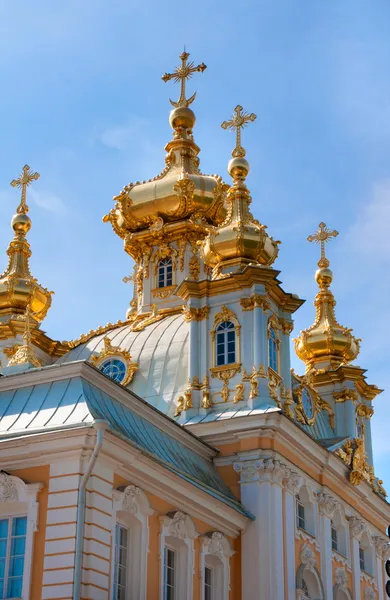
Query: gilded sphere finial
x,y
182,117
324,277
21,223
238,167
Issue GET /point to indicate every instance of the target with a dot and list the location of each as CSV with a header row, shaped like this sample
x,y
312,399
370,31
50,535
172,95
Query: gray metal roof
x,y
75,402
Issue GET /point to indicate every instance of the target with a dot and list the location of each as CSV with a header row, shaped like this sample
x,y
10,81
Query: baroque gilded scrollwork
x,y
255,301
353,455
346,395
239,395
110,351
195,314
287,397
306,382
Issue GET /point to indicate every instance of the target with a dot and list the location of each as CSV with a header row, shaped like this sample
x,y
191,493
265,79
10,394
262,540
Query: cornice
x,y
250,276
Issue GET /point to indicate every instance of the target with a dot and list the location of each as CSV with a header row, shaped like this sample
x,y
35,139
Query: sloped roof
x,y
72,402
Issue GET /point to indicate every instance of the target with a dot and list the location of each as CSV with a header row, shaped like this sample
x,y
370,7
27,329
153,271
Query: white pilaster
x,y
356,529
262,543
292,484
327,506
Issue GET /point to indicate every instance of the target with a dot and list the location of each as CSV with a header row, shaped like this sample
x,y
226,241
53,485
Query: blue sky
x,y
83,103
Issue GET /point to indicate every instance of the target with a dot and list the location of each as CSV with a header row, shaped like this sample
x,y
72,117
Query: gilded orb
x,y
238,167
324,277
182,116
21,223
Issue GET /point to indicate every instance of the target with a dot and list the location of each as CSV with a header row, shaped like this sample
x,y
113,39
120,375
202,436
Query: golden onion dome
x,y
180,190
240,239
18,288
326,339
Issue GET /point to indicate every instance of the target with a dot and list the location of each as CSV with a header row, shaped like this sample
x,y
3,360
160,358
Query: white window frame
x,y
19,499
369,554
306,498
163,264
224,335
215,554
131,509
341,526
178,533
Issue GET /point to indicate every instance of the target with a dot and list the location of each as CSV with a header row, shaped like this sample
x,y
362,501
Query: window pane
x,y
19,526
4,528
15,588
3,548
208,583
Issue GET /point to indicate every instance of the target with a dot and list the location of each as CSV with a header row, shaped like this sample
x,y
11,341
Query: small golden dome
x,y
326,339
240,240
182,117
18,288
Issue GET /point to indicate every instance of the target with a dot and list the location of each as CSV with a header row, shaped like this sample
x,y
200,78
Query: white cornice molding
x,y
92,375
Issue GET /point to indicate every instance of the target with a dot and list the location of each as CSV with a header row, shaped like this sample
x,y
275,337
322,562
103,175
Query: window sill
x,y
222,368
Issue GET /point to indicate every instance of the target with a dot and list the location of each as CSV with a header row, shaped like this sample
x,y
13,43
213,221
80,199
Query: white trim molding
x,y
131,508
178,533
16,499
215,553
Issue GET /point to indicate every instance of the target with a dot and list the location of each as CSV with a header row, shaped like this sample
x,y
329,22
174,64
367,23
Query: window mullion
x,y
7,558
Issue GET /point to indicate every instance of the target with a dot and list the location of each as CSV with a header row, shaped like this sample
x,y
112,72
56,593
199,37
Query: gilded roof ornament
x,y
25,353
239,120
18,288
322,236
326,339
26,177
240,239
180,75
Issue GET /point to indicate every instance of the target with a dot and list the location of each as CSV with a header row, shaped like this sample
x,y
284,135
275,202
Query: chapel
x,y
173,454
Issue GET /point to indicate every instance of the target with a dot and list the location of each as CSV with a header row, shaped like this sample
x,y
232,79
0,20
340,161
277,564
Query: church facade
x,y
174,454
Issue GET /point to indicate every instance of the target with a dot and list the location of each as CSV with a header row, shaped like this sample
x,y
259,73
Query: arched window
x,y
304,507
273,349
308,582
305,589
214,563
226,344
130,543
164,273
177,552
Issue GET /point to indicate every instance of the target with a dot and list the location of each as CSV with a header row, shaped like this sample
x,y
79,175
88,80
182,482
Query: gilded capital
x,y
195,314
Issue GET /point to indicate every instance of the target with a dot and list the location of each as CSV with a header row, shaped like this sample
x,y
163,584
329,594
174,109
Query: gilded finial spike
x,y
239,120
27,176
322,236
180,75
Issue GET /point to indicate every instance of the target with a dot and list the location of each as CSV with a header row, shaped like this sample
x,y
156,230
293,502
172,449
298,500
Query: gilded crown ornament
x,y
326,340
18,288
240,240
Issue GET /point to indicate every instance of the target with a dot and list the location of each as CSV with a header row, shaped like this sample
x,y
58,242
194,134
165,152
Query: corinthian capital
x,y
326,504
263,470
356,527
382,547
292,481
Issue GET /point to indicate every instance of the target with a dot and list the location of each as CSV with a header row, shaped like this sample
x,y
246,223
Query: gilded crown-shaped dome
x,y
326,339
240,240
18,288
180,190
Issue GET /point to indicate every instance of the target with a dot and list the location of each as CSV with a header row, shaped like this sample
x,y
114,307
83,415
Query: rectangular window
x,y
300,514
169,574
208,583
362,559
334,537
12,551
121,562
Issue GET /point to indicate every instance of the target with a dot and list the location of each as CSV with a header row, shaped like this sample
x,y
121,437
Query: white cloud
x,y
369,236
47,200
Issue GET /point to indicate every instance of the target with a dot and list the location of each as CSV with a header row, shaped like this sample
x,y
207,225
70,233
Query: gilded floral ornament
x,y
287,397
239,395
346,395
180,406
110,351
255,301
303,387
364,411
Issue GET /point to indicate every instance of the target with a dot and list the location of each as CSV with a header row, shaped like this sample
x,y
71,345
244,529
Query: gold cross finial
x,y
26,177
181,74
322,236
238,122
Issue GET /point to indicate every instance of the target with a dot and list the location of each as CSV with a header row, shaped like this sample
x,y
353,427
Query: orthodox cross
x,y
238,122
322,236
181,74
26,177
